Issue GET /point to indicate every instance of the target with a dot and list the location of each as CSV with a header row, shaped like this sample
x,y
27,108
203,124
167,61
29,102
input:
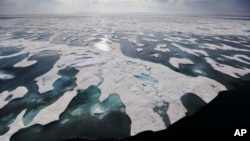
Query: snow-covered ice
x,y
162,47
176,61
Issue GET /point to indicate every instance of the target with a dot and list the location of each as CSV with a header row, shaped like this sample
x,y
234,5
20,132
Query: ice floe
x,y
156,55
53,110
232,71
139,49
25,63
162,48
6,76
238,57
150,39
191,51
176,61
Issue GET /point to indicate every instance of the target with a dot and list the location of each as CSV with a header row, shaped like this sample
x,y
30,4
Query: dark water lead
x,y
4,51
162,112
192,103
25,76
85,116
33,101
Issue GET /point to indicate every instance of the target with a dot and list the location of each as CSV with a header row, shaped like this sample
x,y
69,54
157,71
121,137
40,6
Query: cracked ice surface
x,y
149,65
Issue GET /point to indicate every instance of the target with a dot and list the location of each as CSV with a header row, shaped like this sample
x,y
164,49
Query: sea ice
x,y
25,63
103,45
139,50
150,86
5,76
98,111
232,71
176,61
162,48
155,55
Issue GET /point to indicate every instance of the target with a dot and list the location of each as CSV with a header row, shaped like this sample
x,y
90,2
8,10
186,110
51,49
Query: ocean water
x,y
104,76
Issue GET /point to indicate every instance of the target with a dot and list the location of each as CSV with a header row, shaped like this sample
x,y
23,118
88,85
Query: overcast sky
x,y
125,6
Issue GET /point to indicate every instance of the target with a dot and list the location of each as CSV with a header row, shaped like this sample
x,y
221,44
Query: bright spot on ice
x,y
103,45
6,76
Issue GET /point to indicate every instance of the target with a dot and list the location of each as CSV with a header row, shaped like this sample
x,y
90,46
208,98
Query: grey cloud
x,y
193,6
220,6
